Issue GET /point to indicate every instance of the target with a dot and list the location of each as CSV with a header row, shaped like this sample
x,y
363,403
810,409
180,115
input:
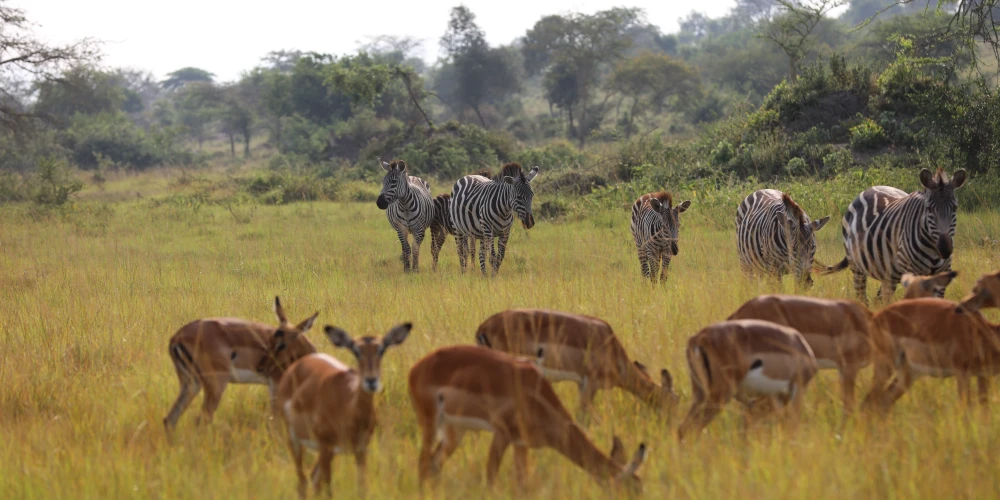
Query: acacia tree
x,y
26,61
651,82
792,27
572,50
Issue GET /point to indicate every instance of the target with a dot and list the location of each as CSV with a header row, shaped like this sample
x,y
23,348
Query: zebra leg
x,y
501,250
418,238
889,288
463,250
653,263
406,249
487,239
644,264
472,248
438,235
861,285
665,256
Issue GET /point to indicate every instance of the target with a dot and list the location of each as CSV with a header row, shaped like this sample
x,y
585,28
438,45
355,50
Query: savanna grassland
x,y
90,295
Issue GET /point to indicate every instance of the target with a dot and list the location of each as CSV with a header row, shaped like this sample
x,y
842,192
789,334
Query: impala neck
x,y
576,447
642,386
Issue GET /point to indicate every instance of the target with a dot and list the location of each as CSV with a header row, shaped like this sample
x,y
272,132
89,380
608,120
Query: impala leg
x,y
588,390
497,449
521,466
215,385
964,383
983,384
848,378
361,462
189,389
296,448
418,239
322,470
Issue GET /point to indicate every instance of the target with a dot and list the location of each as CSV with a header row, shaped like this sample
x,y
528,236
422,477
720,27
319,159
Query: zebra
x,y
484,208
655,226
766,221
441,227
888,233
407,203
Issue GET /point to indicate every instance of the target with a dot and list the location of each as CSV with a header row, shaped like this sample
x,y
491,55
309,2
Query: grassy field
x,y
89,298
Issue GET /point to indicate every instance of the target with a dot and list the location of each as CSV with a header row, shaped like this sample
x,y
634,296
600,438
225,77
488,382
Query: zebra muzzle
x,y
381,203
673,247
944,246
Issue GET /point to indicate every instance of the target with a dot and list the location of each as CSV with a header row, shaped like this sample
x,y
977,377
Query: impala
x,y
915,287
746,360
329,407
469,388
935,338
840,333
986,293
212,353
580,349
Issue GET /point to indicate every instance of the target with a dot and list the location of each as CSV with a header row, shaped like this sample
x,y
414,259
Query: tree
x,y
650,81
84,90
481,74
793,26
573,49
26,60
183,76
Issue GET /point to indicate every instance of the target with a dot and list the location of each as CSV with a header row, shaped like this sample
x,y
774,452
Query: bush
x,y
554,155
113,136
796,166
55,184
867,135
722,153
275,188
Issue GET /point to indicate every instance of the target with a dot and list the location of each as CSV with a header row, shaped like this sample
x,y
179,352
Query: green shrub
x,y
796,166
867,135
722,153
275,188
114,136
838,161
558,154
55,183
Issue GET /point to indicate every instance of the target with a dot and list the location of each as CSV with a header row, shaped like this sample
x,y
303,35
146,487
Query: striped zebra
x,y
441,227
408,206
484,208
766,221
655,226
888,233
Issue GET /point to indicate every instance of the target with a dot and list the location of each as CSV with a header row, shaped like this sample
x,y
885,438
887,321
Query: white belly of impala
x,y
468,423
556,375
931,371
757,383
242,376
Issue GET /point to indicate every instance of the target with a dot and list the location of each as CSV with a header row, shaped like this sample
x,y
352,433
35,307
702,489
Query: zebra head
x,y
800,233
941,207
671,216
520,182
393,183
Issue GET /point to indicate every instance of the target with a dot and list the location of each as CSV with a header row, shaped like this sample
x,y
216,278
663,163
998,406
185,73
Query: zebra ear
x,y
385,164
818,224
655,203
508,179
686,204
927,179
531,174
958,179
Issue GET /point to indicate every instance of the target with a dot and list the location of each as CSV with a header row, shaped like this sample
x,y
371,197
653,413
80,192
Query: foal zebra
x,y
774,236
441,227
888,233
484,208
655,226
408,206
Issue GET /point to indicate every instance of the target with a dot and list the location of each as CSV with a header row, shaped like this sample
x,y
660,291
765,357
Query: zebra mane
x,y
941,177
484,172
663,197
444,196
512,169
791,205
398,163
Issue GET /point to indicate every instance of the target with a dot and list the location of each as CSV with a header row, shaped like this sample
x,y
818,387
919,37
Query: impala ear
x,y
666,381
279,311
641,367
906,280
340,338
306,324
397,335
617,453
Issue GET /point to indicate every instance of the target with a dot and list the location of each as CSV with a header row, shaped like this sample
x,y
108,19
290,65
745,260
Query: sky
x,y
227,37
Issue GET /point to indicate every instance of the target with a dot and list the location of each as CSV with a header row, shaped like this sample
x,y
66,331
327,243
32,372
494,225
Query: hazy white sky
x,y
227,36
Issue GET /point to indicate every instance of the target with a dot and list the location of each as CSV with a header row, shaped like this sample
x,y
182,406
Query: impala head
x,y
369,351
915,287
628,476
662,203
941,206
393,183
286,345
985,294
513,174
666,396
801,238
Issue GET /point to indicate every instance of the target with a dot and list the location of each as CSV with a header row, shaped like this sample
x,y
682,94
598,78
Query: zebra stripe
x,y
408,206
484,208
762,236
655,226
441,227
888,233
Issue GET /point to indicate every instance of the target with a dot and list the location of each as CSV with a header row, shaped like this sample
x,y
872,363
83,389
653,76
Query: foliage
x,y
277,188
55,184
113,136
179,78
867,135
793,26
653,82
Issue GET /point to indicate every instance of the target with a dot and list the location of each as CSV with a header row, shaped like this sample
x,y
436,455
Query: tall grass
x,y
89,298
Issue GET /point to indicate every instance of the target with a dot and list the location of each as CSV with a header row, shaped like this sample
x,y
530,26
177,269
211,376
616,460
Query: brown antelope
x,y
214,352
577,348
839,332
469,388
329,407
985,295
915,287
745,359
933,337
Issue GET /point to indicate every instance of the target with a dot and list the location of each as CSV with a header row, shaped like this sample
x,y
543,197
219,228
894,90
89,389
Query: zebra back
x,y
774,235
479,202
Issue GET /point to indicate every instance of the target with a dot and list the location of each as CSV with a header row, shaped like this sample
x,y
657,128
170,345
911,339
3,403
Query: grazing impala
x,y
839,332
986,293
214,352
746,360
469,388
577,348
329,407
935,338
915,287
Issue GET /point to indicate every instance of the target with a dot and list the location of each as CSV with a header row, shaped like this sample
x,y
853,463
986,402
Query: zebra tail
x,y
836,268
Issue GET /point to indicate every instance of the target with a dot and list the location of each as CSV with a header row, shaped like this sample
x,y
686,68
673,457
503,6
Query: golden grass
x,y
88,301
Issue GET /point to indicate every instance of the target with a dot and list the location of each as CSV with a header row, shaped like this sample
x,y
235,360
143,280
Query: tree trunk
x,y
475,107
569,113
792,68
232,145
246,144
277,133
413,98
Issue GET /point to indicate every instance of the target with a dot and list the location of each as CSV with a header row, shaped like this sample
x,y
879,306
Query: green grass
x,y
89,298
